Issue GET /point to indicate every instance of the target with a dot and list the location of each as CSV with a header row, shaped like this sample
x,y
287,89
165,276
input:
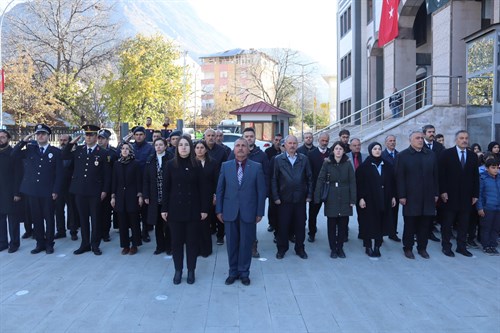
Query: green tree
x,y
147,82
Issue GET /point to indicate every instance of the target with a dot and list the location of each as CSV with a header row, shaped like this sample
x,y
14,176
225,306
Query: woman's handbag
x,y
325,189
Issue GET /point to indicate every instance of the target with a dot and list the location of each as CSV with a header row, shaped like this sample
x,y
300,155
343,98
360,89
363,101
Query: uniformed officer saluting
x,y
90,183
42,181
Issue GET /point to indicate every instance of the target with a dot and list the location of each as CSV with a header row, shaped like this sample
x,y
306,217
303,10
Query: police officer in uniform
x,y
42,181
91,182
103,136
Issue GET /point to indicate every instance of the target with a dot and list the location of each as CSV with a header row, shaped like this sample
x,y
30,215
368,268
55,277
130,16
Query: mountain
x,y
175,19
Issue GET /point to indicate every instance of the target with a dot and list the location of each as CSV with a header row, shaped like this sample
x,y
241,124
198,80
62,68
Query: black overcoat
x,y
126,186
150,187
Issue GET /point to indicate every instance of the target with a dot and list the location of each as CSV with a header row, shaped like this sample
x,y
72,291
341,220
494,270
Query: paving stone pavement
x,y
115,293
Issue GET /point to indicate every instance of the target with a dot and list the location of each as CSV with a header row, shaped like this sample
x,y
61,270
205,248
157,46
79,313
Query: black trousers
x,y
291,216
416,225
88,207
105,216
474,231
129,221
42,212
337,229
313,217
206,233
462,222
143,217
219,226
9,226
72,222
272,214
162,234
185,233
394,222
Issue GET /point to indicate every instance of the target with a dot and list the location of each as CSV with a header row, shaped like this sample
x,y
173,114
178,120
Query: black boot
x,y
376,251
190,277
177,277
369,251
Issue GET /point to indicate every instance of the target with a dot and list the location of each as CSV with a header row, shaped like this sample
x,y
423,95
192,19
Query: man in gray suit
x,y
241,196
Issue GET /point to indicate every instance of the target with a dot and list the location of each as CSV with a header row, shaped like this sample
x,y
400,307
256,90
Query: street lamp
x,y
1,67
302,98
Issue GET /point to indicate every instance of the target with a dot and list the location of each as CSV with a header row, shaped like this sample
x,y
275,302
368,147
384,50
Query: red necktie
x,y
356,162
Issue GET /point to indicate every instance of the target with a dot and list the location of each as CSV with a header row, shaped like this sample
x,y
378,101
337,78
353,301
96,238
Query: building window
x,y
345,22
369,11
345,67
345,111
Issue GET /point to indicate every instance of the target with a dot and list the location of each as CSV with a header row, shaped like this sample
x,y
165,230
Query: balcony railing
x,y
432,90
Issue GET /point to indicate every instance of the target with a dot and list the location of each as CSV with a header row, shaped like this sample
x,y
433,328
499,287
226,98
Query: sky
x,y
308,26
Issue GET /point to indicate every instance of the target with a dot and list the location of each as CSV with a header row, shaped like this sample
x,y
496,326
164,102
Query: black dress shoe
x,y
448,253
302,254
49,250
74,237
27,235
106,238
37,250
333,254
472,244
464,252
230,280
395,238
424,254
157,252
270,228
13,249
145,237
409,254
280,255
376,252
190,278
81,250
97,251
245,281
177,277
220,241
311,238
433,238
369,251
60,235
341,253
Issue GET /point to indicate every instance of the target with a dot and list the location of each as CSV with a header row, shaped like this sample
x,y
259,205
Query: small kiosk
x,y
267,120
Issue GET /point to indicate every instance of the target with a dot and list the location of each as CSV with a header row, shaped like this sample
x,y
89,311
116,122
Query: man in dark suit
x,y
11,173
42,181
241,196
418,190
316,158
459,188
354,154
389,154
431,143
91,182
308,145
291,186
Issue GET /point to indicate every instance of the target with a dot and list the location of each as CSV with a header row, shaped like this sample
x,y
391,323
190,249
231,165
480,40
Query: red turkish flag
x,y
388,29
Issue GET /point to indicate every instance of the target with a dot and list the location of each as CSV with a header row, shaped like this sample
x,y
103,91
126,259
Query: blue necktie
x,y
41,150
240,173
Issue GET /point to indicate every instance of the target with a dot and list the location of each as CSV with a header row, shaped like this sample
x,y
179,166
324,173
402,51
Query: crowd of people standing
x,y
188,191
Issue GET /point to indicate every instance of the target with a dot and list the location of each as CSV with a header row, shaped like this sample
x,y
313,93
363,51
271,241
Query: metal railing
x,y
432,90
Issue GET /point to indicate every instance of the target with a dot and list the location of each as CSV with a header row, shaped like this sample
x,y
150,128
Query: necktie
x,y
430,146
90,151
240,173
356,161
392,154
41,150
462,159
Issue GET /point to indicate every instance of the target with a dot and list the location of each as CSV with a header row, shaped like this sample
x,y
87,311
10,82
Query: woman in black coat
x,y
153,194
126,197
184,206
376,196
211,174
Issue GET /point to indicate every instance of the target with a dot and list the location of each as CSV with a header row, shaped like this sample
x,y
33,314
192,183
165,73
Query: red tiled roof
x,y
261,108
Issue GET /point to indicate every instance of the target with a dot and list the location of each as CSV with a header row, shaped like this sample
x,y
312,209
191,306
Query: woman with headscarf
x,y
376,192
126,198
184,206
211,174
339,172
